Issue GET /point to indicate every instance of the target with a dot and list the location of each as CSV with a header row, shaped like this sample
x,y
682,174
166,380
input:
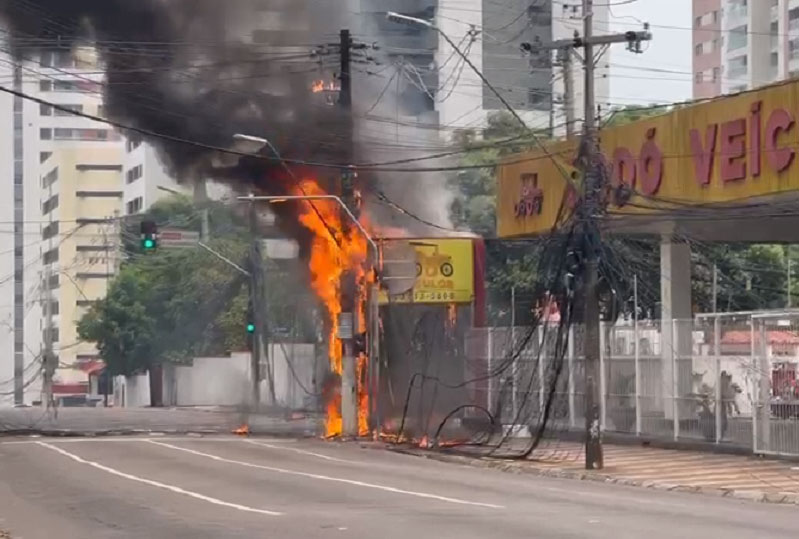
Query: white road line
x,y
102,439
329,478
152,483
301,451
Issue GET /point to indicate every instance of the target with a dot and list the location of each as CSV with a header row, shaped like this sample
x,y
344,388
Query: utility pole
x,y
593,182
716,288
255,270
48,357
566,61
348,322
788,291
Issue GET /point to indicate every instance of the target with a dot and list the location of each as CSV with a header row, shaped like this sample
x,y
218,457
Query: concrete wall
x,y
214,381
132,391
294,390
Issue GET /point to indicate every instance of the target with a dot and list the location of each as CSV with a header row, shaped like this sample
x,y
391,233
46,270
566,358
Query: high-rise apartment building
x,y
34,133
743,44
453,95
81,205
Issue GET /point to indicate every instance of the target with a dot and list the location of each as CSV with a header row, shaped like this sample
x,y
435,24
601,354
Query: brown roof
x,y
774,337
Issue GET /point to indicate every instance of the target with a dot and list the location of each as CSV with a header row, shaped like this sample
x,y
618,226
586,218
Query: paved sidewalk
x,y
749,478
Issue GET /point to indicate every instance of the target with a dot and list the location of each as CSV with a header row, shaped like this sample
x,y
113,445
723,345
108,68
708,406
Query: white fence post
x,y
489,354
572,417
755,384
602,378
541,359
637,352
675,407
720,404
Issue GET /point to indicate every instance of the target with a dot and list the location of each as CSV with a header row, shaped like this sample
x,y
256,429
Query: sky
x,y
633,80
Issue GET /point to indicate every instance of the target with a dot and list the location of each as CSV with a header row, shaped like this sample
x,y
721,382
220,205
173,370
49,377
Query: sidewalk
x,y
747,478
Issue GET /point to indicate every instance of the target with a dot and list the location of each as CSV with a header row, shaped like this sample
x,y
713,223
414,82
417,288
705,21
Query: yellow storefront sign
x,y
444,273
723,151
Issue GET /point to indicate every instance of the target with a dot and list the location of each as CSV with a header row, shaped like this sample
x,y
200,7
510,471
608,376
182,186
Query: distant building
x,y
31,133
144,179
738,47
81,209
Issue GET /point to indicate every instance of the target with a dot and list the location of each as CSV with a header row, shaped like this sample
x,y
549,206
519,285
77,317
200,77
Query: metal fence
x,y
729,378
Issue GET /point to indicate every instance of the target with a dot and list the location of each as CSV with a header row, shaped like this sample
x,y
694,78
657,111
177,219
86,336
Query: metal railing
x,y
729,378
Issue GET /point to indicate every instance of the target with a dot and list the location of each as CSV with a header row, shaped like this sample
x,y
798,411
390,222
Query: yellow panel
x,y
759,159
445,270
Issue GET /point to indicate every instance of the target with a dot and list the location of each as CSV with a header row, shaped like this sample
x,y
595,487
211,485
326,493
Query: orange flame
x,y
363,395
243,430
335,249
319,86
452,315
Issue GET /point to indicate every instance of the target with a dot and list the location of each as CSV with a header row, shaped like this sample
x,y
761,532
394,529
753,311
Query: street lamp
x,y
399,18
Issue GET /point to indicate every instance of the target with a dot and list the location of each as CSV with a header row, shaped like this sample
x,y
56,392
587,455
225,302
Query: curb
x,y
760,496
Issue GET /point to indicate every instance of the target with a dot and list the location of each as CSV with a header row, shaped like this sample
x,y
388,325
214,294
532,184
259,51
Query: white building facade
x,y
33,131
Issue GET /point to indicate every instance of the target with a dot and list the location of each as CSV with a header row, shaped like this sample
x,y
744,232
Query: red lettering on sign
x,y
703,154
779,122
623,167
650,165
755,138
733,150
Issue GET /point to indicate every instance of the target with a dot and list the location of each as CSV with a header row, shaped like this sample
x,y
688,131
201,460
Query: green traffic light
x,y
250,328
149,243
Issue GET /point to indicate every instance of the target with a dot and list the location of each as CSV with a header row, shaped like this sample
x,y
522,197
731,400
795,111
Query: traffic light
x,y
250,325
149,236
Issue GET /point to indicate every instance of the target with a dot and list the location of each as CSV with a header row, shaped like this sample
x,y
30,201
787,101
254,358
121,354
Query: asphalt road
x,y
220,487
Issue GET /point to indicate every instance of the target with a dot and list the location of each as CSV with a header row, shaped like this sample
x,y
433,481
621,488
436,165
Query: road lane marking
x,y
329,478
157,484
301,452
102,439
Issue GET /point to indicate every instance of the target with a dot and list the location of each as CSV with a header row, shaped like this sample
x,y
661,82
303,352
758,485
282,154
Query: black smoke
x,y
203,70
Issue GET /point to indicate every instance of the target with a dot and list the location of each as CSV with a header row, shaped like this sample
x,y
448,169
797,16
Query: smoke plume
x,y
204,70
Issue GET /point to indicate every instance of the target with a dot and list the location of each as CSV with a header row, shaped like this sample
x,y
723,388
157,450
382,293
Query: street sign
x,y
175,238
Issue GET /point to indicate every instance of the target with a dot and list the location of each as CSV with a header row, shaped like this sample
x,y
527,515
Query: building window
x,y
50,205
46,133
50,178
51,256
738,38
135,205
134,174
716,74
61,133
45,110
131,145
793,49
54,282
44,156
738,68
698,22
76,108
88,168
45,85
50,230
698,49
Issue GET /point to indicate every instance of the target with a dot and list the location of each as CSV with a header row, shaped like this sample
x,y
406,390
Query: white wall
x,y
294,390
132,391
214,381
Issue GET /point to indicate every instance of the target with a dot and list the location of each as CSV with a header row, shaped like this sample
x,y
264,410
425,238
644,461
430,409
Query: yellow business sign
x,y
721,151
444,271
